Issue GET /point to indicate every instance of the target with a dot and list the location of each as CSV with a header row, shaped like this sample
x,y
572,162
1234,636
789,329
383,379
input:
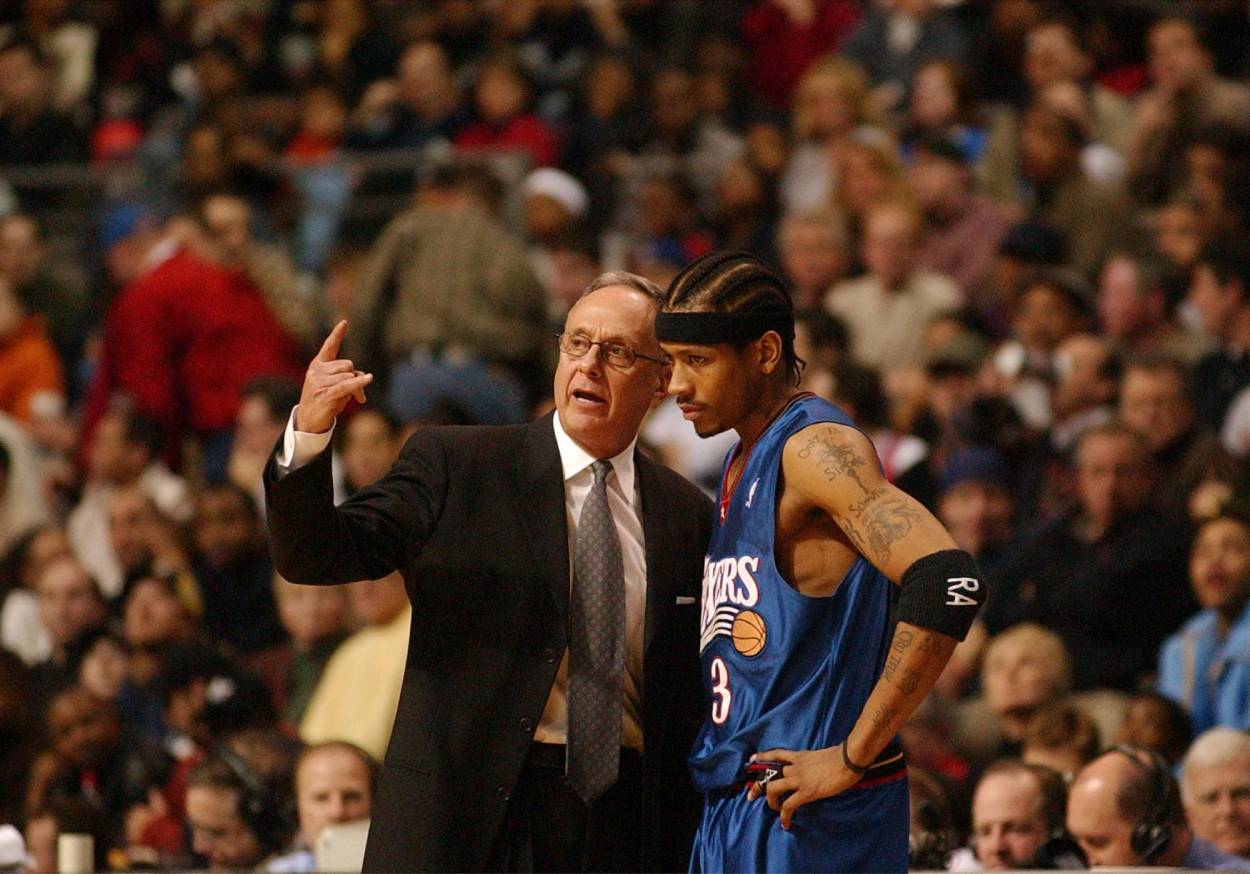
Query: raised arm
x,y
375,532
833,468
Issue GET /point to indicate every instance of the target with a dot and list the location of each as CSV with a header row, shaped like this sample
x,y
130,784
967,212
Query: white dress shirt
x,y
299,447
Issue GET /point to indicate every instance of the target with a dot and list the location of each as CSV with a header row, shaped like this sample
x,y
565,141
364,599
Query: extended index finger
x,y
330,348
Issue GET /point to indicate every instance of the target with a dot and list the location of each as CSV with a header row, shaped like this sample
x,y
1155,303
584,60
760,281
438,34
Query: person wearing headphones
x,y
1017,809
237,815
1124,809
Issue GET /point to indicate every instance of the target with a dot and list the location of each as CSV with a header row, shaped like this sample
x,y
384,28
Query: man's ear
x,y
770,351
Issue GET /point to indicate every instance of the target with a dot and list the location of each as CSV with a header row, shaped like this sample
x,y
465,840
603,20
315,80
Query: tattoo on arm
x,y
902,642
909,682
883,522
836,459
882,717
849,527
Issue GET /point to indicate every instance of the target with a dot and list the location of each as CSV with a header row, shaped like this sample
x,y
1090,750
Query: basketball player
x,y
799,663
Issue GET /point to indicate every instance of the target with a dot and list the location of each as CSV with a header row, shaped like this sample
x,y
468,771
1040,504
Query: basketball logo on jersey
x,y
729,588
749,633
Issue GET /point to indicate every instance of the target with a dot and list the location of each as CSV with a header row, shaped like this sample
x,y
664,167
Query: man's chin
x,y
708,430
1238,845
581,421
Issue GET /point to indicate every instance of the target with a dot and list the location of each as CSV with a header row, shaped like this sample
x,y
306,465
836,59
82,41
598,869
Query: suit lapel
x,y
540,502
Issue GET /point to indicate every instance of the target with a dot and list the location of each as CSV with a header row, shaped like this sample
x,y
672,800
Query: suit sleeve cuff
x,y
300,447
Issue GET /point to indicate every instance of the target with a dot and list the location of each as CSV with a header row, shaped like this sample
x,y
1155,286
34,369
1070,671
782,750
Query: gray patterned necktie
x,y
596,645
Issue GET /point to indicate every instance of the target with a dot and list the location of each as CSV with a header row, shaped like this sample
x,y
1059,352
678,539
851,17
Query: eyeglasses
x,y
618,356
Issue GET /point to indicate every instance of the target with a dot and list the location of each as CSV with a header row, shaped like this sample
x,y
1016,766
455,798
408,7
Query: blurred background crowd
x,y
1018,238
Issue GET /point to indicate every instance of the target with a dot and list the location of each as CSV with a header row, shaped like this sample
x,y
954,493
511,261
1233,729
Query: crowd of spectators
x,y
1017,234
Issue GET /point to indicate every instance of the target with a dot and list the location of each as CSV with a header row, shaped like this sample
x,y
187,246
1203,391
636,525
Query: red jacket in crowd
x,y
522,133
182,341
782,48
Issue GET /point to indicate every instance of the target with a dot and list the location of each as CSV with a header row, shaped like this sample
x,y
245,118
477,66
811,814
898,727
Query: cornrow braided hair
x,y
734,282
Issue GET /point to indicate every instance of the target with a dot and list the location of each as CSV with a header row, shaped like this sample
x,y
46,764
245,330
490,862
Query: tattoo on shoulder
x,y
881,523
836,458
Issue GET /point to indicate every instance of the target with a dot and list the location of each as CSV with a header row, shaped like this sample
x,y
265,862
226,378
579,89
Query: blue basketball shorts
x,y
862,829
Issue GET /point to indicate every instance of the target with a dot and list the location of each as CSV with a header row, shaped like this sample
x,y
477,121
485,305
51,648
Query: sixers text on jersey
x,y
728,587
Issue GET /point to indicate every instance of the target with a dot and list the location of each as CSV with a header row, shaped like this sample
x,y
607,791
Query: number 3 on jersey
x,y
722,698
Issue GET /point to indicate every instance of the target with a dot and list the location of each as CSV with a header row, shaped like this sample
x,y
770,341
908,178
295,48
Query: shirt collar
x,y
574,459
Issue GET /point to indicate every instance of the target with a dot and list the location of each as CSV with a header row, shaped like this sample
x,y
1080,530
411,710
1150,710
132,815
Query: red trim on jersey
x,y
728,489
881,781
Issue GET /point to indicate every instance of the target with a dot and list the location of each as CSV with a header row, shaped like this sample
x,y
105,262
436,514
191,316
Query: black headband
x,y
708,329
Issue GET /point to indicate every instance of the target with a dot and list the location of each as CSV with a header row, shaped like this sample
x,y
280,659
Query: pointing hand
x,y
329,384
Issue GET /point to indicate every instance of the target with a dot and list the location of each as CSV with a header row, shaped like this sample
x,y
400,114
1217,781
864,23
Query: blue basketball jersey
x,y
782,669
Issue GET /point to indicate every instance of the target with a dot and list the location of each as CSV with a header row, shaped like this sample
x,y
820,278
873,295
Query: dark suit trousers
x,y
548,828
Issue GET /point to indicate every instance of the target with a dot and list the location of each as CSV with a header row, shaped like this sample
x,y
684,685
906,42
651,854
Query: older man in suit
x,y
551,692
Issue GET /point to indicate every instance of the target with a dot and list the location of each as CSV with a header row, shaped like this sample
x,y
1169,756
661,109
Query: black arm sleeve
x,y
942,592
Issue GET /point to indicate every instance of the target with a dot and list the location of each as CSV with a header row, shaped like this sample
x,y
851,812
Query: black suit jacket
x,y
475,520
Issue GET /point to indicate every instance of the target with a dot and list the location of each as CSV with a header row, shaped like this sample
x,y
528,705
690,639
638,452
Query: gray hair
x,y
629,280
1216,746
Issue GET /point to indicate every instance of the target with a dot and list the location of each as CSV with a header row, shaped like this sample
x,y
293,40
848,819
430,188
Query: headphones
x,y
269,814
1153,834
930,848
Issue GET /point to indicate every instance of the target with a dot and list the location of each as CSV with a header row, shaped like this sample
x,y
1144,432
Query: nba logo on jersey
x,y
729,588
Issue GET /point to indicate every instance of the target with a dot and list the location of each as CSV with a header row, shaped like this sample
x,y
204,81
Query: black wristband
x,y
942,592
846,760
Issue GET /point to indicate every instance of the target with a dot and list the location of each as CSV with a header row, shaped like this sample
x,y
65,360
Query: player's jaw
x,y
702,384
691,408
705,419
709,413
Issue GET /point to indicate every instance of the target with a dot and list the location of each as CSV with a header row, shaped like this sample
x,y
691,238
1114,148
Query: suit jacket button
x,y
526,724
502,793
549,655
